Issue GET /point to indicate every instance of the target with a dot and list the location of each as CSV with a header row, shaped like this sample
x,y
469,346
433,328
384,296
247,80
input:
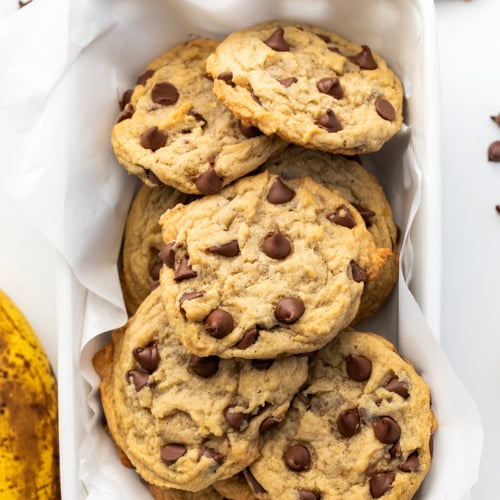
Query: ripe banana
x,y
29,448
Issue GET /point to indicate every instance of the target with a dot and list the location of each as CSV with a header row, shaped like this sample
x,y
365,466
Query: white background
x,y
469,45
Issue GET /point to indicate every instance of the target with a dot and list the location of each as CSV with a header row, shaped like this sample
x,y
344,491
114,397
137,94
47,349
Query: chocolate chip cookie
x,y
364,192
173,131
183,421
361,428
266,268
171,494
308,85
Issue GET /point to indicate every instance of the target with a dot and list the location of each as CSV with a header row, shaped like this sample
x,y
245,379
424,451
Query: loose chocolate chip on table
x,y
126,96
164,93
255,486
262,364
147,356
167,254
286,82
343,217
277,41
329,121
365,213
230,249
276,246
496,119
385,109
380,483
348,422
387,430
22,4
219,323
139,378
268,423
358,273
211,453
249,131
204,367
249,338
153,139
170,453
298,458
494,151
237,420
395,385
208,182
190,296
198,117
227,77
144,77
308,495
289,310
412,463
497,208
364,59
279,192
330,86
184,270
358,367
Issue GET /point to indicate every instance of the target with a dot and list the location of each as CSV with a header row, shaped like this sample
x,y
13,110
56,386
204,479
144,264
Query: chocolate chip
x,y
325,38
380,483
308,495
184,270
208,182
164,93
431,445
167,254
230,249
385,109
494,151
249,131
139,378
329,122
343,217
358,367
348,422
497,208
277,40
249,338
219,323
335,49
298,458
198,117
364,59
153,139
289,310
358,273
147,356
22,4
279,192
395,385
255,486
212,454
126,113
286,82
496,119
170,453
276,246
305,399
268,423
153,178
255,98
387,430
227,77
262,364
412,463
395,450
365,213
125,99
190,296
142,79
204,367
330,86
237,420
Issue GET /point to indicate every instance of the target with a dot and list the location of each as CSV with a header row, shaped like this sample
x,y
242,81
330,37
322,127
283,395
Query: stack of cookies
x,y
252,248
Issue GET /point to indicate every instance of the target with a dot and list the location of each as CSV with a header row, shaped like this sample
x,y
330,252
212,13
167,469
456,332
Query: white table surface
x,y
470,332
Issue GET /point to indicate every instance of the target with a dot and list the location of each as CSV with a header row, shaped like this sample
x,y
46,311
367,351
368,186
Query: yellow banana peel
x,y
29,447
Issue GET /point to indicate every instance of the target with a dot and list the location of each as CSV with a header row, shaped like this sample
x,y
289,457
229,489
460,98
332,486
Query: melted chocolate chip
x,y
387,430
125,99
276,245
198,117
153,178
230,249
167,254
329,122
395,385
358,273
227,77
358,367
348,422
164,93
395,450
139,378
219,323
268,423
298,458
255,486
364,59
365,213
147,356
255,98
249,131
325,38
204,367
289,310
237,420
142,79
277,41
385,109
170,453
279,192
212,454
184,270
190,296
305,399
308,495
208,182
286,82
153,139
126,113
249,338
494,151
335,49
380,483
330,86
412,463
343,217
